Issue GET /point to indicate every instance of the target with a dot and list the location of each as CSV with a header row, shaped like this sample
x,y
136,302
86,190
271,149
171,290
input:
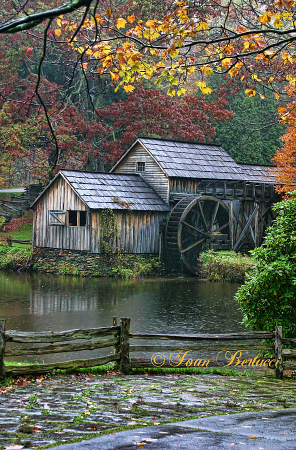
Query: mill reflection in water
x,y
38,302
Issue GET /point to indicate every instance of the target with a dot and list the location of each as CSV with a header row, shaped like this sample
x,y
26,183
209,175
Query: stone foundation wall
x,y
81,263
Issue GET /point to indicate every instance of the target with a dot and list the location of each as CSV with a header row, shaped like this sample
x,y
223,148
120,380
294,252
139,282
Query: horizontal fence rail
x,y
196,337
10,241
50,336
118,337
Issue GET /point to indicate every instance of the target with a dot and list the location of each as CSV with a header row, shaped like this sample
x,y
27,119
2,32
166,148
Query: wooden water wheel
x,y
196,224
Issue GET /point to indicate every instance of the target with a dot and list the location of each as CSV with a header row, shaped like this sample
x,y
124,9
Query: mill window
x,y
140,166
77,218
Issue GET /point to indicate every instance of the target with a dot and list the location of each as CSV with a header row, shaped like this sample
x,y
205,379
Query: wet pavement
x,y
264,430
55,411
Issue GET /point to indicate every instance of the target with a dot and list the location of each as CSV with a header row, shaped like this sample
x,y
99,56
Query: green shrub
x,y
225,266
268,298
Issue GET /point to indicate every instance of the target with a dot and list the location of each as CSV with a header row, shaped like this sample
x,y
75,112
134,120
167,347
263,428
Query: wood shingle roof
x,y
113,191
202,161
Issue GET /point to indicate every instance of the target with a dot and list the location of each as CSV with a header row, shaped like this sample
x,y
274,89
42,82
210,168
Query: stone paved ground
x,y
47,411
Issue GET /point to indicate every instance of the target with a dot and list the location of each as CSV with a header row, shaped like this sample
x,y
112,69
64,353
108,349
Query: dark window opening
x,y
77,218
82,218
73,218
140,166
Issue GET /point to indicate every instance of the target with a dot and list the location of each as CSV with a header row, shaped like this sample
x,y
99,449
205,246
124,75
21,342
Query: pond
x,y
39,302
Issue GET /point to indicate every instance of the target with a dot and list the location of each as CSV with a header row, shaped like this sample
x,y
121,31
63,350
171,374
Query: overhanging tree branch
x,y
32,20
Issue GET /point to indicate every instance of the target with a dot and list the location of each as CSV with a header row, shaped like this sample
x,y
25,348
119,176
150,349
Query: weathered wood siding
x,y
153,173
138,231
60,196
183,185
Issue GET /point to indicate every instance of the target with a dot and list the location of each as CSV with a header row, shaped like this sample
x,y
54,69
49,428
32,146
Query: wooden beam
x,y
44,368
50,336
241,237
199,337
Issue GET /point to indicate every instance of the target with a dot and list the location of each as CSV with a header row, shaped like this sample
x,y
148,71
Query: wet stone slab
x,y
52,411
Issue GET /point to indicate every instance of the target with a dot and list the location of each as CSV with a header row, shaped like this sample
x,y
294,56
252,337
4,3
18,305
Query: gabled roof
x,y
112,191
194,160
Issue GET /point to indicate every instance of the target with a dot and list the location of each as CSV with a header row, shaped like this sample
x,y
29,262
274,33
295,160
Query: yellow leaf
x,y
173,52
255,77
281,109
150,23
225,62
201,84
291,79
206,70
88,51
202,26
190,69
250,92
261,96
277,95
252,437
59,23
171,92
57,32
270,79
154,51
266,17
109,12
206,91
128,88
120,23
181,91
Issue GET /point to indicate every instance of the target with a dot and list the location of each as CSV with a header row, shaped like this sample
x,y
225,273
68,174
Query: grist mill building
x,y
168,197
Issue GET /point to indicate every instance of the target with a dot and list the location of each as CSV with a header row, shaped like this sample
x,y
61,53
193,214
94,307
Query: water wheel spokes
x,y
194,228
193,245
201,224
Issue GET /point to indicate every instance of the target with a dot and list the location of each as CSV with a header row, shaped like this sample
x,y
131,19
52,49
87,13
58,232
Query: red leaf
x,y
29,51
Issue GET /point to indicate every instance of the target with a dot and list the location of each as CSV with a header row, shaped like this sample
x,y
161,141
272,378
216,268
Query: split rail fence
x,y
9,241
119,338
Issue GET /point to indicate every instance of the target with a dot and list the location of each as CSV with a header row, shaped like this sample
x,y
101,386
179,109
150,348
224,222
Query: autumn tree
x,y
251,42
151,112
285,158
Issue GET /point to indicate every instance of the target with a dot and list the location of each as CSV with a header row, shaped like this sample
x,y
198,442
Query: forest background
x,y
94,121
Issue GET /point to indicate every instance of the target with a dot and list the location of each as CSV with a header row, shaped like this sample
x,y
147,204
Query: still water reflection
x,y
31,302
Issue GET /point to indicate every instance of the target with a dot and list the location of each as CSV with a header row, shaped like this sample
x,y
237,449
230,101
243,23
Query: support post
x,y
115,335
2,348
231,223
256,228
278,341
124,345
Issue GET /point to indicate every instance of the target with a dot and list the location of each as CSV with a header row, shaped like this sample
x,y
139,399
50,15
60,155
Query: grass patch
x,y
16,257
190,371
225,266
23,232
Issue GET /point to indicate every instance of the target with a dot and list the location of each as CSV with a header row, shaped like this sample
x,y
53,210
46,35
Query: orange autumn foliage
x,y
285,158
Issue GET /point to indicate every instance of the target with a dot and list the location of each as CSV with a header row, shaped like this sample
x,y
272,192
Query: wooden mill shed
x,y
189,196
214,202
68,213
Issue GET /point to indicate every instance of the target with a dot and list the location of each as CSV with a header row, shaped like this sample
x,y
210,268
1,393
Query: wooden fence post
x,y
124,345
2,348
278,341
115,335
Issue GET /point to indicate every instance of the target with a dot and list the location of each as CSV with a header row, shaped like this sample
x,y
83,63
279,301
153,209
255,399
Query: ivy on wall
x,y
109,231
